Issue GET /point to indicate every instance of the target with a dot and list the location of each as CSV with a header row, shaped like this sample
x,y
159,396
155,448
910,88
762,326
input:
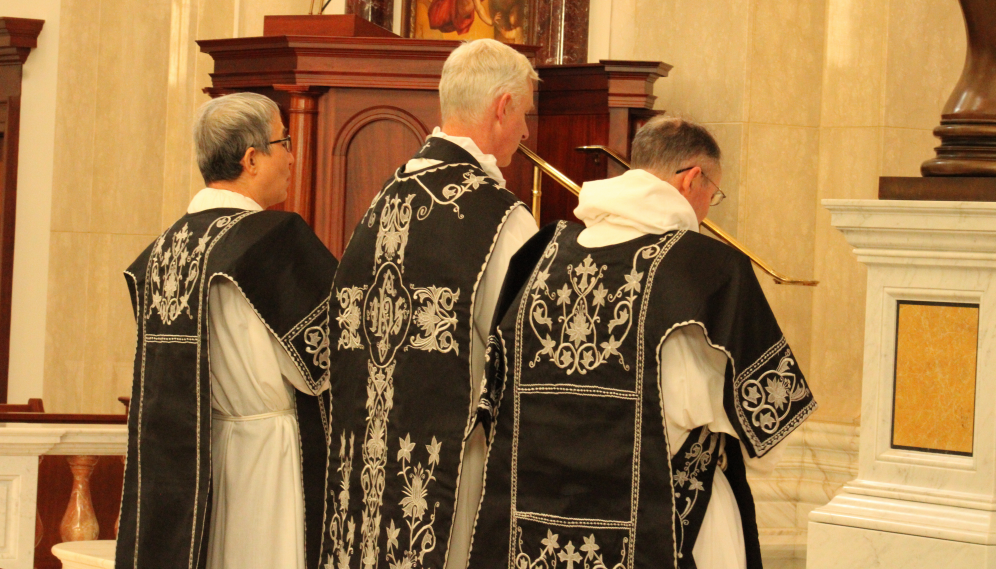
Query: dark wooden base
x,y
958,189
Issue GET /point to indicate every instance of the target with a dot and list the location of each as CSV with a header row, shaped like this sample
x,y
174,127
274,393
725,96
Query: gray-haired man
x,y
416,289
226,448
632,361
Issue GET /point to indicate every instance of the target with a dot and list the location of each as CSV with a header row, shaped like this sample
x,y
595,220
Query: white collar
x,y
487,161
211,198
628,206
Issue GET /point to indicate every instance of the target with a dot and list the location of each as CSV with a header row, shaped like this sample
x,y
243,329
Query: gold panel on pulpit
x,y
934,397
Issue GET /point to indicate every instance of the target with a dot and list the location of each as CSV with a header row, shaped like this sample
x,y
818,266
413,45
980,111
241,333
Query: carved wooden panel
x,y
17,37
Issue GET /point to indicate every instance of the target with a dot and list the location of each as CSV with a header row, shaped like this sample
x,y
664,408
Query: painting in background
x,y
508,21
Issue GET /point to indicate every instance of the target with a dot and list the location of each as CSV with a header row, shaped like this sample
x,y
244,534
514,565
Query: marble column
x,y
925,495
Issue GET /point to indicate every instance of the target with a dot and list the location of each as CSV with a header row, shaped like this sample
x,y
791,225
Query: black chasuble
x,y
286,274
578,472
402,393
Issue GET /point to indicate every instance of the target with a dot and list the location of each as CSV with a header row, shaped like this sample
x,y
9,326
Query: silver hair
x,y
228,126
476,74
666,144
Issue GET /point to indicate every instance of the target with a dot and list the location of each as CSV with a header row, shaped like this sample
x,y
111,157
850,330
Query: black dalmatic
x,y
403,392
286,274
578,471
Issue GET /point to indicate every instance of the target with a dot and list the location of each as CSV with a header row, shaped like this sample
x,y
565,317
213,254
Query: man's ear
x,y
686,181
249,160
504,107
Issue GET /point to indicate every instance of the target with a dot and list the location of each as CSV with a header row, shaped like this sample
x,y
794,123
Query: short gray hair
x,y
476,74
666,144
228,126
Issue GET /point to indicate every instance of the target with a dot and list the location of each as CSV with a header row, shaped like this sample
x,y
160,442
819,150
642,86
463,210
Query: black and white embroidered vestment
x,y
402,392
286,274
578,472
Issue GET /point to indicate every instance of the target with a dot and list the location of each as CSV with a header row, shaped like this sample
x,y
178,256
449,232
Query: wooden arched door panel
x,y
368,150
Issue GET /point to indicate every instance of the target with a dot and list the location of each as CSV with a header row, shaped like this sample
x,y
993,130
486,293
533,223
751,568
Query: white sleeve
x,y
692,377
518,228
233,307
692,374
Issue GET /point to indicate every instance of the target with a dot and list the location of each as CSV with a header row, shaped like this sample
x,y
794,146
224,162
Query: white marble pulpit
x,y
925,496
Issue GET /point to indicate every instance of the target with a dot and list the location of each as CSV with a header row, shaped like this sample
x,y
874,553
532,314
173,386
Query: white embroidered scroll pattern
x,y
451,192
698,458
380,400
553,554
316,338
392,238
436,319
341,528
414,505
768,398
349,317
582,299
176,268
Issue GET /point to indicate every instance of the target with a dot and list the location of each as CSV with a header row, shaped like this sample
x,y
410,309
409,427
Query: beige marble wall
x,y
130,79
757,88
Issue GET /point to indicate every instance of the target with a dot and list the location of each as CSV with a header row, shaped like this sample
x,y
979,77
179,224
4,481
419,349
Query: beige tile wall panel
x,y
779,209
732,140
708,85
849,166
110,341
922,72
251,13
905,149
65,323
934,398
131,118
786,74
76,99
855,63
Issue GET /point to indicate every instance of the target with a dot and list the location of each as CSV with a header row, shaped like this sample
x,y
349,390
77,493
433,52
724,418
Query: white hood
x,y
628,206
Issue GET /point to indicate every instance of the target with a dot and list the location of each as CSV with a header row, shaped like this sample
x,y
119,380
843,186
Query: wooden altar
x,y
359,106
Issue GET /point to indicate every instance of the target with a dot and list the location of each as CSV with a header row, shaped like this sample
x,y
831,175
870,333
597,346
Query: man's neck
x,y
480,136
237,186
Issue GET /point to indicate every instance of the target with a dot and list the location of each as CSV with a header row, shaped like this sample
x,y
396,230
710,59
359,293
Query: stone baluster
x,y
80,523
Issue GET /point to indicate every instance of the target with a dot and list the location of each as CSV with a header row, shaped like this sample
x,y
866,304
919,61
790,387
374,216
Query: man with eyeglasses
x,y
635,373
227,423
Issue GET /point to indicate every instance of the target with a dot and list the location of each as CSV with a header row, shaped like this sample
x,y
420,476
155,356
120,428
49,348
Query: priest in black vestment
x,y
227,425
635,373
414,298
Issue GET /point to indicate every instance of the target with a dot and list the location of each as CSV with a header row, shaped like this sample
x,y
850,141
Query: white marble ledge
x,y
967,229
86,554
19,439
910,518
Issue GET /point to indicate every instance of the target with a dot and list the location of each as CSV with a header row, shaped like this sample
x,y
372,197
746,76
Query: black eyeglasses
x,y
718,197
285,141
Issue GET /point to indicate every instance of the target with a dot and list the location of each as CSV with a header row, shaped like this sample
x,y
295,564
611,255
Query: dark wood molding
x,y
18,36
937,188
63,418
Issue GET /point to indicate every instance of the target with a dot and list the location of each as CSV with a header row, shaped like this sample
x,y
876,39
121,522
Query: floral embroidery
x,y
768,397
349,317
341,529
550,557
436,319
421,535
582,300
698,460
175,270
